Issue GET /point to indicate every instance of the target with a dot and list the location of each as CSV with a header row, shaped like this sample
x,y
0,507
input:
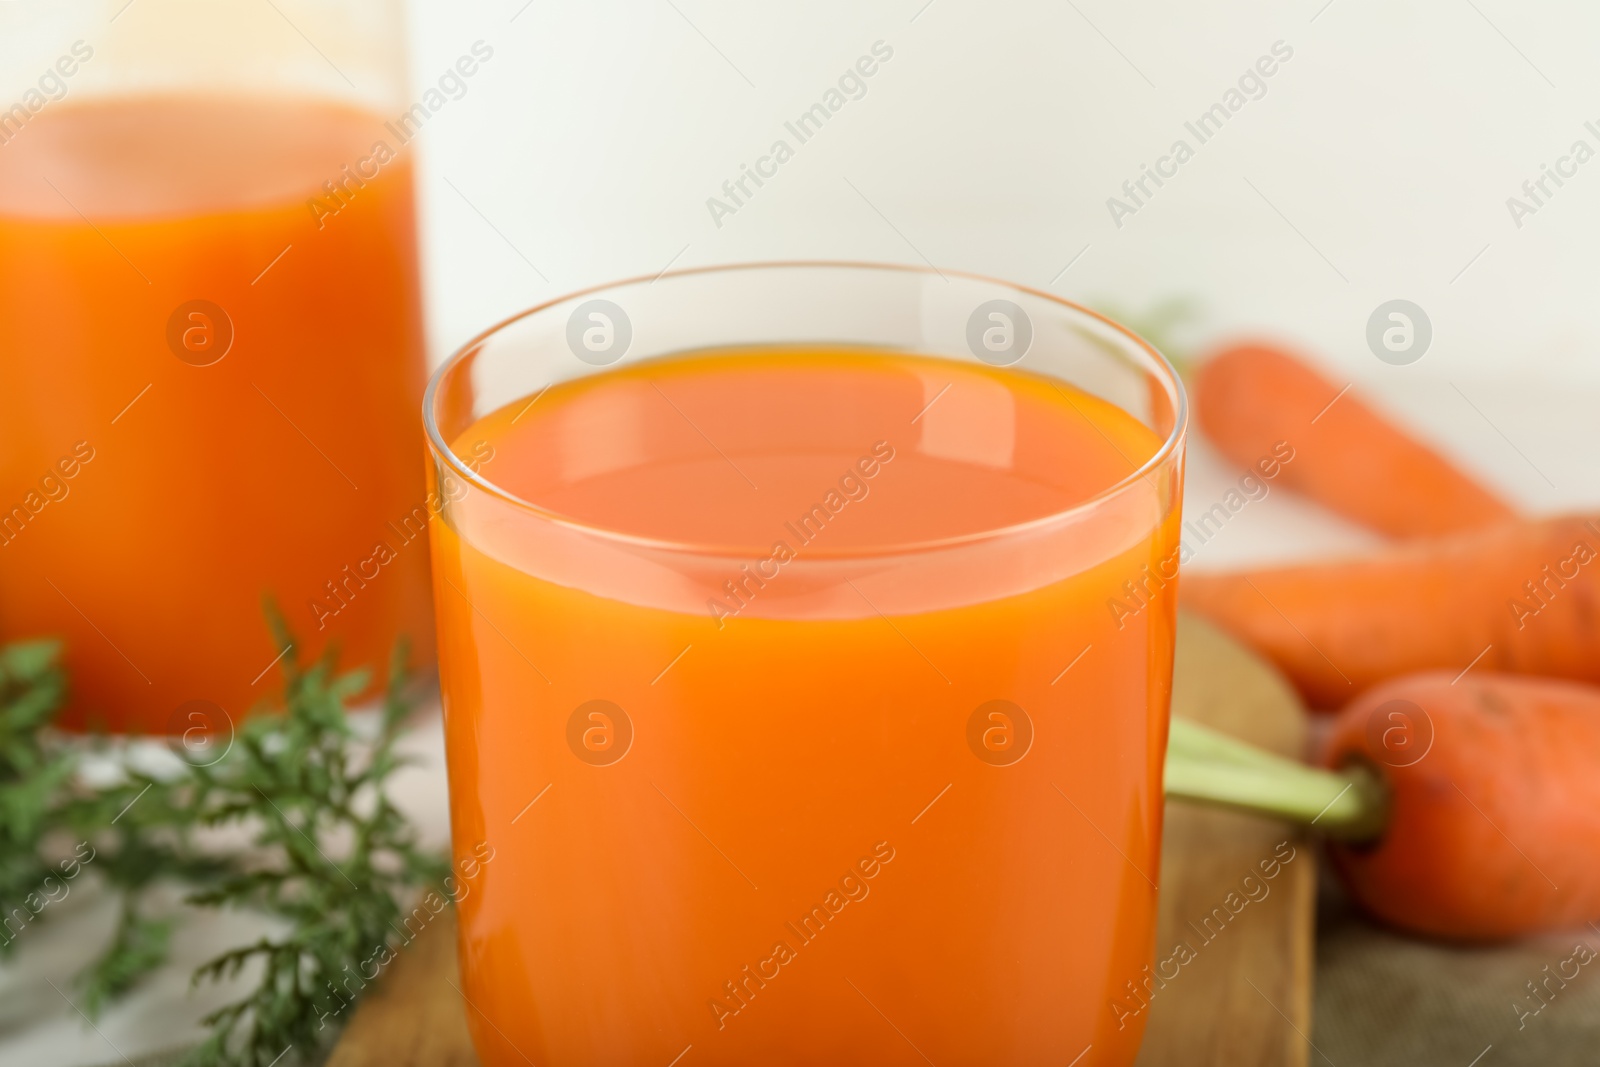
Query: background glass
x,y
211,342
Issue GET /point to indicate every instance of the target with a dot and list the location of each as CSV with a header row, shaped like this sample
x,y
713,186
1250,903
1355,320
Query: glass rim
x,y
1163,370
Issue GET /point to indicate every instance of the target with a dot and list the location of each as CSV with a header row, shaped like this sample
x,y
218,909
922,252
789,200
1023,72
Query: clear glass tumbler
x,y
876,783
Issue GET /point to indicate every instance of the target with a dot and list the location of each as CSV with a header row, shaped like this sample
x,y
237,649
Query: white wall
x,y
1390,141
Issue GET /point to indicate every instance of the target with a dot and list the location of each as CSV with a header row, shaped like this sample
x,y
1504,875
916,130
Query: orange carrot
x,y
1521,597
1348,457
1493,798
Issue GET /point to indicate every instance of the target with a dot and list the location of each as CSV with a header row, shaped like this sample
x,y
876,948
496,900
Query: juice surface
x,y
162,472
796,807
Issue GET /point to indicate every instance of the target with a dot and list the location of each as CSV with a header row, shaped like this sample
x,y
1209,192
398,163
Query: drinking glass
x,y
894,801
211,341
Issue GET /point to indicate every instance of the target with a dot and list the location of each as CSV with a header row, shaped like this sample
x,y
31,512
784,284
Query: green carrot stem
x,y
1208,767
1204,743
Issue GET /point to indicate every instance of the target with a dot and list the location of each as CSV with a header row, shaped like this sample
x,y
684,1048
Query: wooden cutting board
x,y
1244,998
1240,997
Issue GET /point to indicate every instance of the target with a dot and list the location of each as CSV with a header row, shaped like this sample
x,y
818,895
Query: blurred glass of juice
x,y
211,349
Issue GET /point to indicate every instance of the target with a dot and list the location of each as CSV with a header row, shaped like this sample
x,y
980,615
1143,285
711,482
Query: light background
x,y
1376,166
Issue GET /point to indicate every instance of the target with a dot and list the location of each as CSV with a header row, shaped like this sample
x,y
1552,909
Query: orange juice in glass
x,y
781,686
212,353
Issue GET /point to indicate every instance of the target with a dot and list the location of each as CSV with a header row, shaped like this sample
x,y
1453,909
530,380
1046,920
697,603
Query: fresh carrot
x,y
1494,828
1348,457
1467,810
1520,597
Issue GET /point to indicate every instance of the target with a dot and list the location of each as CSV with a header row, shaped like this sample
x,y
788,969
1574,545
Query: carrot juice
x,y
212,362
783,696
